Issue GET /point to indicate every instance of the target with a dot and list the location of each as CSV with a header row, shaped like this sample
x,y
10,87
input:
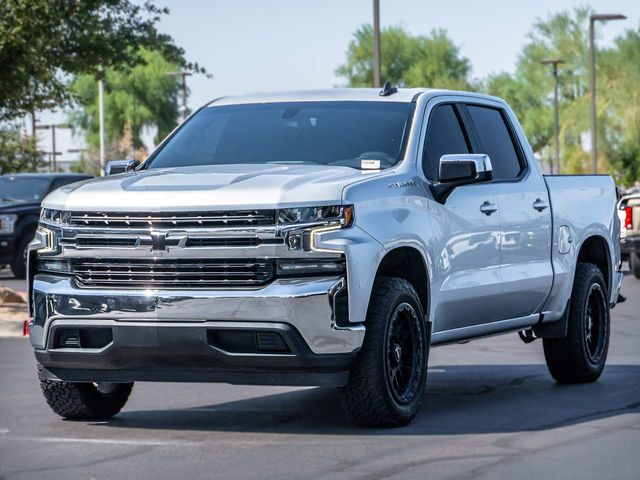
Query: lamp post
x,y
183,76
376,44
103,141
592,51
555,166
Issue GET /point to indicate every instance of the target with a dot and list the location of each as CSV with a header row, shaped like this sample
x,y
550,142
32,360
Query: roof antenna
x,y
388,89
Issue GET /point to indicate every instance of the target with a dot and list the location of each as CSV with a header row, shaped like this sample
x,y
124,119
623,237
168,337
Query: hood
x,y
210,187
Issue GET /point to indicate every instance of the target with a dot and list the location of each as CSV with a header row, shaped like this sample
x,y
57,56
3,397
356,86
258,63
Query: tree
x,y
621,65
42,42
143,97
18,153
529,92
409,61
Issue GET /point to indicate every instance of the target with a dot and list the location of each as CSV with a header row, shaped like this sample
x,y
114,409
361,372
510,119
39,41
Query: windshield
x,y
311,133
23,189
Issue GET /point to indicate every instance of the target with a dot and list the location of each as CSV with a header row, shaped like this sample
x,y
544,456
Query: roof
x,y
336,94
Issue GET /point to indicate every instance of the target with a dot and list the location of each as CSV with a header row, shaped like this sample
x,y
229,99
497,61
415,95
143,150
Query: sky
x,y
260,46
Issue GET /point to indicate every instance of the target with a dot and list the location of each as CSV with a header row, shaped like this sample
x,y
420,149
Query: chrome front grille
x,y
174,220
172,273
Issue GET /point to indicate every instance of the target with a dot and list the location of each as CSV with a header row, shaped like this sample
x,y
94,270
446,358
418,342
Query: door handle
x,y
540,205
488,208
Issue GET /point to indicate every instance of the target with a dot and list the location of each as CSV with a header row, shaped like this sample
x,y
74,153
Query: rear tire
x,y
580,356
84,401
634,263
386,384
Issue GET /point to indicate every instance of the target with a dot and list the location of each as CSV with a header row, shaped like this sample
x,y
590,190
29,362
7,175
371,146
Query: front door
x,y
466,231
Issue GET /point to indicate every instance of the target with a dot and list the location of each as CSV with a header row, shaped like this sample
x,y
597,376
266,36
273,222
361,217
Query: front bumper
x,y
166,335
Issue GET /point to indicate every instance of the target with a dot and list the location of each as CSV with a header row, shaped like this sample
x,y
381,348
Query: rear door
x,y
523,210
467,232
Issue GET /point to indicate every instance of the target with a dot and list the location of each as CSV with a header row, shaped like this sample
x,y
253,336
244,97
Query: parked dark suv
x,y
20,197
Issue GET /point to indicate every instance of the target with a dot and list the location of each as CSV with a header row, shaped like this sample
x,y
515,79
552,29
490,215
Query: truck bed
x,y
582,206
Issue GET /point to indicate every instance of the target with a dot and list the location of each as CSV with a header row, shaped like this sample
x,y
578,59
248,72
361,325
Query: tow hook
x,y
527,336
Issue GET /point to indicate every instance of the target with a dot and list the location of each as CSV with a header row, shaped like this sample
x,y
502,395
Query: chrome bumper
x,y
305,304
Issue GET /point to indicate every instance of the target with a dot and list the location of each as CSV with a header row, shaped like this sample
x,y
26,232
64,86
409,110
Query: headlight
x,y
7,223
46,240
337,215
55,216
54,266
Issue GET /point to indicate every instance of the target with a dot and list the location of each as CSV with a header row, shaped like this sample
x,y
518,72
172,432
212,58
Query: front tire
x,y
386,384
19,264
634,263
84,401
580,356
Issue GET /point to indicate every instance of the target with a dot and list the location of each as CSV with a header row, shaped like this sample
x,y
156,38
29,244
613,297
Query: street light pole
x,y
103,143
555,166
183,75
592,53
376,44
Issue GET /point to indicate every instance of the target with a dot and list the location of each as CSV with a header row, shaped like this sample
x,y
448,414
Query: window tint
x,y
61,182
494,140
444,137
314,133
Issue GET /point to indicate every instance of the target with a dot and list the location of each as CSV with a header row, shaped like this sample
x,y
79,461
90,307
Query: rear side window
x,y
444,137
496,141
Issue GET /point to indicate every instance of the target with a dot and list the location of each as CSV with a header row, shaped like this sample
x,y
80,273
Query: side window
x,y
495,140
444,137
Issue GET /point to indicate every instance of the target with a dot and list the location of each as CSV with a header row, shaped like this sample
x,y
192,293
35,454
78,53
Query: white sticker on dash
x,y
366,164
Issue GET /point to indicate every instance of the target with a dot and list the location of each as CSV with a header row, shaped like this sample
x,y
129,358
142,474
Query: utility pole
x,y
54,153
103,151
592,53
376,45
555,165
183,76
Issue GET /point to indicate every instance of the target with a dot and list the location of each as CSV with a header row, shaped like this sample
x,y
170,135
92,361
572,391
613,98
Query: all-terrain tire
x,y
580,356
634,263
371,397
83,401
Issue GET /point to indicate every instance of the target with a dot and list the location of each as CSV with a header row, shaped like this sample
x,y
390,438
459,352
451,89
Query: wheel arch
x,y
594,249
409,263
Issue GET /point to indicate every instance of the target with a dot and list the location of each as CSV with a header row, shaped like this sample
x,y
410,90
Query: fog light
x,y
310,266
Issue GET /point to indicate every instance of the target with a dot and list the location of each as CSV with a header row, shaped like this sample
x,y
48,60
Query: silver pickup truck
x,y
321,238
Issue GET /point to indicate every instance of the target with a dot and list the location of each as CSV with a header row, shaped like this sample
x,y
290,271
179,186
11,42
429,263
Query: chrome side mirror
x,y
460,169
114,167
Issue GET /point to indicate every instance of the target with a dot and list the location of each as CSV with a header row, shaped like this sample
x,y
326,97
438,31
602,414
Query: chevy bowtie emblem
x,y
158,242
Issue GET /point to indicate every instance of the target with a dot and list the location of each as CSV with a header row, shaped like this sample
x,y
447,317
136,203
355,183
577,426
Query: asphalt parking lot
x,y
491,411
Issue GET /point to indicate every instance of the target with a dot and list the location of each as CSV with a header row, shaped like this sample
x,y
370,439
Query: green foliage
x,y
408,61
44,41
18,153
434,61
139,98
529,91
621,106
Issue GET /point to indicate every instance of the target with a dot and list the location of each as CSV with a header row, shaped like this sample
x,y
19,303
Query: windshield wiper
x,y
9,199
